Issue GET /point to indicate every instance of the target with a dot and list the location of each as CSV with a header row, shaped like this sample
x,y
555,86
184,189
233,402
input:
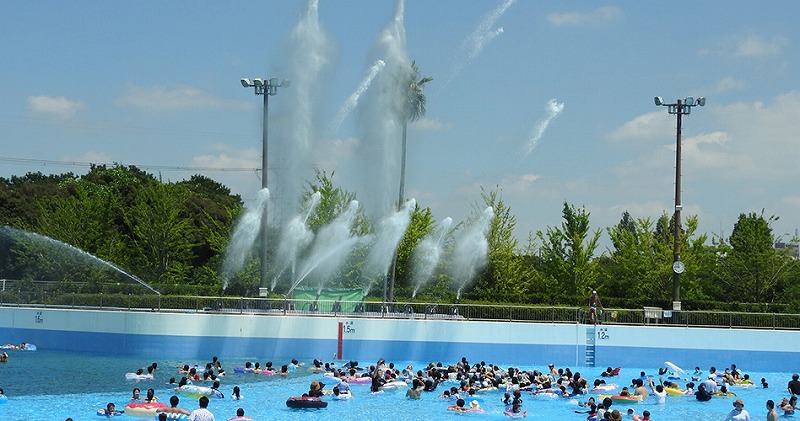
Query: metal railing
x,y
650,316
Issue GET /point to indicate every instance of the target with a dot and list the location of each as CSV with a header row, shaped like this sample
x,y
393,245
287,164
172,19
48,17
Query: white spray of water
x,y
427,254
243,237
297,127
471,250
382,121
554,108
388,235
78,252
352,101
332,246
296,236
475,42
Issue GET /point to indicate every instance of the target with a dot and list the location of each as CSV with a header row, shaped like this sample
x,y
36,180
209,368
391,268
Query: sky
x,y
543,101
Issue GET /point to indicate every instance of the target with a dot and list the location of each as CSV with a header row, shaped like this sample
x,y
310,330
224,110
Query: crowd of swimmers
x,y
472,378
464,380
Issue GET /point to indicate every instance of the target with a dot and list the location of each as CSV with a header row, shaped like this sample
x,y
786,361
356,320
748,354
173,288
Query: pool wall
x,y
280,337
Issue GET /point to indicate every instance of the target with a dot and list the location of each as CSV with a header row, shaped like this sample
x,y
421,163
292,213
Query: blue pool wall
x,y
281,337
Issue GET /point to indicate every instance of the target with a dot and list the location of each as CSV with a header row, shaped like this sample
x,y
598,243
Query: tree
x,y
505,275
567,251
420,225
162,233
412,109
750,268
639,266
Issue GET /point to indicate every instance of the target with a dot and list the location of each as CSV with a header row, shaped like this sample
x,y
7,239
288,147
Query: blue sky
x,y
549,101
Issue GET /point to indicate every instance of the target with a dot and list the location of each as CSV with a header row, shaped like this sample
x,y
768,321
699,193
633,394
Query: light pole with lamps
x,y
679,108
265,87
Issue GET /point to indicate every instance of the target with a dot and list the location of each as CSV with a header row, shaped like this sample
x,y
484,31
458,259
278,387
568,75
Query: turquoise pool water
x,y
49,385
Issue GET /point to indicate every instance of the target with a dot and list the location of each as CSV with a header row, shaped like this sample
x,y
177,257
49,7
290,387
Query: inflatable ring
x,y
305,402
173,416
621,399
134,376
394,385
143,410
196,392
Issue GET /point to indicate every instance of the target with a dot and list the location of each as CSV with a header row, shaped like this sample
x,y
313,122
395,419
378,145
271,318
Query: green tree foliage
x,y
165,234
421,225
162,233
639,267
333,202
173,235
505,277
19,197
750,269
567,252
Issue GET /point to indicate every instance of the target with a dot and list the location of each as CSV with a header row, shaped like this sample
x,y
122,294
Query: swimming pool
x,y
52,385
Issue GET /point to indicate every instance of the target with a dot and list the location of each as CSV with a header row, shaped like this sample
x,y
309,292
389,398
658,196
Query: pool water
x,y
48,385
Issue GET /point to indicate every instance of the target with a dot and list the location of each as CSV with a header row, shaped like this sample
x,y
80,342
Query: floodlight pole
x,y
267,88
679,108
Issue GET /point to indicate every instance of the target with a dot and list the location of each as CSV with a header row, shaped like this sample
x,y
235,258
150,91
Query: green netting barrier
x,y
328,299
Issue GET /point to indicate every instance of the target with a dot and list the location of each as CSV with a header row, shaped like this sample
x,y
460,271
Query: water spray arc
x,y
243,238
60,244
427,255
332,246
296,236
352,101
471,250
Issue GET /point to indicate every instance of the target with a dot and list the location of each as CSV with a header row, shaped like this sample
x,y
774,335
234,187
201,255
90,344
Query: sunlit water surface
x,y
49,385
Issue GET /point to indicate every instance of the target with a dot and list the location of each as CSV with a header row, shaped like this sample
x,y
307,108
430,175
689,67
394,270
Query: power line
x,y
46,162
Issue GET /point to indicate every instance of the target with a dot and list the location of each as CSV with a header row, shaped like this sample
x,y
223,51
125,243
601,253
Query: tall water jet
x,y
554,108
382,120
352,101
386,239
427,254
297,129
296,236
475,42
332,246
471,248
243,237
9,231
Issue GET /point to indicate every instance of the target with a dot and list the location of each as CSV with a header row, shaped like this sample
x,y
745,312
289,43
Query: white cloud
x,y
750,46
644,127
600,16
59,107
727,84
225,156
182,97
520,184
753,146
763,137
709,151
753,46
429,124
